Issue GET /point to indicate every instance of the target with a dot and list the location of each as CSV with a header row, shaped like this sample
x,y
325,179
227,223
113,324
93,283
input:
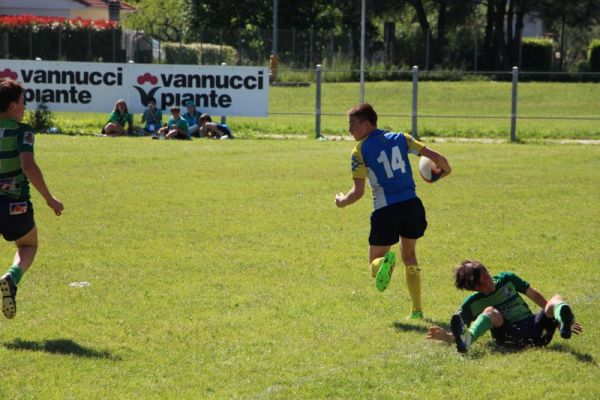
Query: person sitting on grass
x,y
192,117
497,306
176,128
212,129
117,120
152,117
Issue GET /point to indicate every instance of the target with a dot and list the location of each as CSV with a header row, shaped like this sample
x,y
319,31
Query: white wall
x,y
54,8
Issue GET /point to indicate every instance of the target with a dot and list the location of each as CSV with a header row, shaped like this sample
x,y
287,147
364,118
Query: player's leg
x,y
194,130
412,226
24,256
26,249
412,273
557,308
488,319
109,129
381,238
377,256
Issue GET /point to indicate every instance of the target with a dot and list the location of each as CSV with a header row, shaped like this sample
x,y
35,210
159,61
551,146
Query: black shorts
x,y
405,219
536,330
16,219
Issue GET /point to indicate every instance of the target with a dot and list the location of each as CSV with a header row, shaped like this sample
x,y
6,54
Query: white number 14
x,y
396,164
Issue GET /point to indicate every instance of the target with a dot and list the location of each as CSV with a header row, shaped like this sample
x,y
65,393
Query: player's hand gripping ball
x,y
429,171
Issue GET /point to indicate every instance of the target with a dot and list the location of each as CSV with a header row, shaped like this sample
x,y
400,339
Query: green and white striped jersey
x,y
15,138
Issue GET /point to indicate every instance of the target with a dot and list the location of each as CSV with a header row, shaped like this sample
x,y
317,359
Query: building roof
x,y
103,4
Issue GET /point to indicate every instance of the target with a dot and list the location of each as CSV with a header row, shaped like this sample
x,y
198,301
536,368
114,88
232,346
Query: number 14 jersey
x,y
382,157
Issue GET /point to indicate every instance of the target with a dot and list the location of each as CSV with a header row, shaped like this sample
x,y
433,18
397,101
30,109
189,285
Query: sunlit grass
x,y
470,109
223,269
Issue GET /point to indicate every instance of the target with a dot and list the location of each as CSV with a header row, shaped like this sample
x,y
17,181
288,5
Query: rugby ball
x,y
429,171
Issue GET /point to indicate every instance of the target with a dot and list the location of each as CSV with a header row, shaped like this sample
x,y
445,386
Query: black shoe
x,y
566,321
462,337
9,291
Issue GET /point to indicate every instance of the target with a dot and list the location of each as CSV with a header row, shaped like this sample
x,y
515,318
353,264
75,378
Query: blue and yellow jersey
x,y
382,157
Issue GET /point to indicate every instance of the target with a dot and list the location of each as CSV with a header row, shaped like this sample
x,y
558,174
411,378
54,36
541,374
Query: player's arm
x,y
357,191
438,159
436,333
34,174
536,297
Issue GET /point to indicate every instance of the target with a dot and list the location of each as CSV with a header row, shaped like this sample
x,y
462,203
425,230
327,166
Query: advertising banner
x,y
95,87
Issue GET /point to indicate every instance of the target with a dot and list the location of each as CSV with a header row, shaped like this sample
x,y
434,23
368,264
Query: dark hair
x,y
468,273
10,92
121,101
205,117
364,112
152,99
175,109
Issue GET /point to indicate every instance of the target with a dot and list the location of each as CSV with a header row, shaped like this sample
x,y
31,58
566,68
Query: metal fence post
x,y
513,114
318,103
223,117
415,93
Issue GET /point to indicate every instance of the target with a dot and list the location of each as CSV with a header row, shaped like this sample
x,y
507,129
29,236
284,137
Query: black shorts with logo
x,y
405,219
536,330
16,219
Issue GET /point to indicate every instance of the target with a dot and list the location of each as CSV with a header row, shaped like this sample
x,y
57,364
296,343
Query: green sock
x,y
557,308
481,325
16,272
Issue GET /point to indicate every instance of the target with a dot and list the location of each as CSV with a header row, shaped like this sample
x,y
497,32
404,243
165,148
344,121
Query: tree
x,y
161,19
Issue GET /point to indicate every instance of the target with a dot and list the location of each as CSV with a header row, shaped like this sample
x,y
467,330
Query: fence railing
x,y
416,114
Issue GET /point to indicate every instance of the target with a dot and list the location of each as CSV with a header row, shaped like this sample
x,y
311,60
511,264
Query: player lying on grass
x,y
399,214
17,169
497,306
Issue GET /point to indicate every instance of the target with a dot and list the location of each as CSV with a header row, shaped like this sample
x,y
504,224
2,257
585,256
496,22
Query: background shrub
x,y
199,53
536,54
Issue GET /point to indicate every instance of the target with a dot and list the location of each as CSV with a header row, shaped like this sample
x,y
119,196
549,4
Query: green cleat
x,y
416,315
384,275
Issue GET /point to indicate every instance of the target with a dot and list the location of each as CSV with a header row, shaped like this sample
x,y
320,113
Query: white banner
x,y
95,87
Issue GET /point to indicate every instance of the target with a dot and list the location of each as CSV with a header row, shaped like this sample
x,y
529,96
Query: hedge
x,y
536,54
199,53
53,38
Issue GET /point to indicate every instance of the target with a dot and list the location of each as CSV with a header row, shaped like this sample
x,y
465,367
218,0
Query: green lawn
x,y
455,109
223,269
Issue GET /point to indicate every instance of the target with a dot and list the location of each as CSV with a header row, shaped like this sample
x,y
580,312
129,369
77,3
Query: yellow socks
x,y
375,265
413,283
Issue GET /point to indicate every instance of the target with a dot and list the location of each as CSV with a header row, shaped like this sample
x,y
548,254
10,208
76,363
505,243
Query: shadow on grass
x,y
582,357
508,349
416,327
59,346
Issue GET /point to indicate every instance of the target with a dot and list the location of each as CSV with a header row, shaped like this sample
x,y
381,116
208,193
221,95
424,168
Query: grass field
x,y
448,109
223,269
